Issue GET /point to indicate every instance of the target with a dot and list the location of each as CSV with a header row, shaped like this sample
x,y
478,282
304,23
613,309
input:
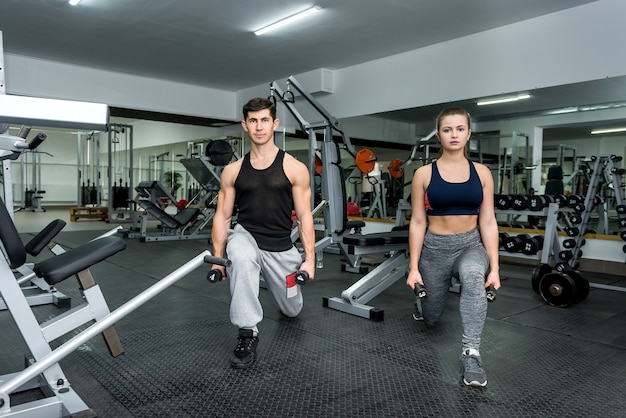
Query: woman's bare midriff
x,y
455,224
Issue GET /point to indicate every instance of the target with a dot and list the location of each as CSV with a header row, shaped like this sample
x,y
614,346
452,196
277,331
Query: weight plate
x,y
557,289
582,285
365,160
318,166
394,168
539,271
219,152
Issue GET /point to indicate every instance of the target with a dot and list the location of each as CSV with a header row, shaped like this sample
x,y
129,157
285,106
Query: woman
x,y
452,196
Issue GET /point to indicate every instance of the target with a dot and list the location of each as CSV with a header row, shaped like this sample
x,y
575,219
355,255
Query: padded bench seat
x,y
359,244
380,238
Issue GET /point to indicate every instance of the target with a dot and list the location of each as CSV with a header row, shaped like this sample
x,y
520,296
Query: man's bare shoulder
x,y
231,171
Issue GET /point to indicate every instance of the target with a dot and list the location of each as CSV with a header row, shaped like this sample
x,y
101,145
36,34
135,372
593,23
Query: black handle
x,y
37,140
211,259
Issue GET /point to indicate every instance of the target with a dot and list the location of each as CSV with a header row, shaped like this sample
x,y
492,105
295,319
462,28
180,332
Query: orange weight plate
x,y
365,160
318,165
394,168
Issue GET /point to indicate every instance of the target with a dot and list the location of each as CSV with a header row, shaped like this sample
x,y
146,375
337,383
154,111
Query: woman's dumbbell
x,y
492,293
420,291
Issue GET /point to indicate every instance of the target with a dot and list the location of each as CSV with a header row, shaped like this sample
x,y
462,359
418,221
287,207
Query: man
x,y
265,186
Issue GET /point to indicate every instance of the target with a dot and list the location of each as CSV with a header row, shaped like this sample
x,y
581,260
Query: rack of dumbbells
x,y
538,246
562,284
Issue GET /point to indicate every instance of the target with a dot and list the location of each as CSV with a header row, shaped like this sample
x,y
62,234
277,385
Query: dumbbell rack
x,y
595,175
550,241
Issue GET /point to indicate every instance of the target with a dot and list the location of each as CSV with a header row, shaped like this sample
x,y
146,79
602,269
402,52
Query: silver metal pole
x,y
99,326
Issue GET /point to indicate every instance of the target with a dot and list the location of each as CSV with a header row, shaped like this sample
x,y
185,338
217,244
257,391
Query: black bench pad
x,y
380,238
44,237
56,269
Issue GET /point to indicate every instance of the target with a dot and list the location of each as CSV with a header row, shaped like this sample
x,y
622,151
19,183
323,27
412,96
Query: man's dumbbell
x,y
301,277
214,276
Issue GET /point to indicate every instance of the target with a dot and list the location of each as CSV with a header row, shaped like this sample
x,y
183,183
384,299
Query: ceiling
x,y
210,43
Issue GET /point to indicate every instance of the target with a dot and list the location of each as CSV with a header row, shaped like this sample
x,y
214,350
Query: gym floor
x,y
541,361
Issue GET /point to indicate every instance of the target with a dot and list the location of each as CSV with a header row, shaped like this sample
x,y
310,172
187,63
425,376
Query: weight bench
x,y
186,224
353,300
51,380
36,290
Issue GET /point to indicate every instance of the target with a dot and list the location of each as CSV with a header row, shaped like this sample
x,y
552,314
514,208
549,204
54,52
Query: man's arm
x,y
224,211
301,190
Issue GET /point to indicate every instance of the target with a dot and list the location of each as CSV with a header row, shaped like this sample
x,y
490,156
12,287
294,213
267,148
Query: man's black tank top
x,y
265,202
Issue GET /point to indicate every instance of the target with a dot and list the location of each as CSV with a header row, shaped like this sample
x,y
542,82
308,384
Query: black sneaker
x,y
472,369
245,353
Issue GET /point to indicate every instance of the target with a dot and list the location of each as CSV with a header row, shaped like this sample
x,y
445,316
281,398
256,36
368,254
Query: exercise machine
x,y
120,172
333,194
43,372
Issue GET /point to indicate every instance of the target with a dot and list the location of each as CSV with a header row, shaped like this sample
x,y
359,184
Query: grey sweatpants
x,y
249,263
441,255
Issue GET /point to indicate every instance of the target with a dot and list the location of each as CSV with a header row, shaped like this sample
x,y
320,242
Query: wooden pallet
x,y
95,212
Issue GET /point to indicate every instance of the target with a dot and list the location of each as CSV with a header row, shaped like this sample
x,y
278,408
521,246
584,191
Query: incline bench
x,y
353,300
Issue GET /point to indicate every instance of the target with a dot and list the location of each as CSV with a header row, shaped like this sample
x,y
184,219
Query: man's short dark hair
x,y
259,103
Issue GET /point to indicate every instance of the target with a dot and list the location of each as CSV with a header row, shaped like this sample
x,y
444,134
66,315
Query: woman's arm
x,y
489,226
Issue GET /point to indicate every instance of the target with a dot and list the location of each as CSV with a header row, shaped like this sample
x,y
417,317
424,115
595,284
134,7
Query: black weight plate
x,y
219,152
557,289
539,271
582,285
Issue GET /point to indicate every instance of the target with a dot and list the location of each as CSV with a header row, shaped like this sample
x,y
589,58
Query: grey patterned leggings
x,y
441,256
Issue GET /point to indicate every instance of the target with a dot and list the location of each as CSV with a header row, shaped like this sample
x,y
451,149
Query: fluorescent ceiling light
x,y
607,131
74,2
288,20
504,99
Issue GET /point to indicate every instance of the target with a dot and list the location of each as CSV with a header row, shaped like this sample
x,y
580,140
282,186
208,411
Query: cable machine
x,y
89,185
120,173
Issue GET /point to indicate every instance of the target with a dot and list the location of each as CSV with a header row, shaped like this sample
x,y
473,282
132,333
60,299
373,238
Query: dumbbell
x,y
622,235
567,255
576,202
576,218
537,202
532,245
620,209
519,202
492,293
501,237
571,243
572,232
502,201
562,266
302,277
420,291
214,276
514,244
